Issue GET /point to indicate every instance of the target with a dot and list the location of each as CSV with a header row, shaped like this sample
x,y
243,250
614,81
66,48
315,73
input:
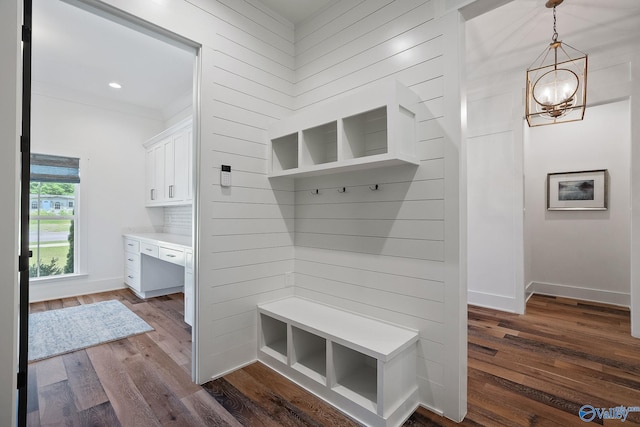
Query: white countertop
x,y
157,238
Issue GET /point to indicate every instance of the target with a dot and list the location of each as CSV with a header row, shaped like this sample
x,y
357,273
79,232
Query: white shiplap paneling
x,y
380,253
246,229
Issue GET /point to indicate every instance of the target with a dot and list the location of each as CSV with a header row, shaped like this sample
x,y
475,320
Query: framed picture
x,y
577,191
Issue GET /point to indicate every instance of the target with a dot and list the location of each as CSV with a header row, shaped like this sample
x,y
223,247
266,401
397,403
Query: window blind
x,y
48,168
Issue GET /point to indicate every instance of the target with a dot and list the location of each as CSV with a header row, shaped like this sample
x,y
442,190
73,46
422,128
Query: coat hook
x,y
374,187
342,190
315,192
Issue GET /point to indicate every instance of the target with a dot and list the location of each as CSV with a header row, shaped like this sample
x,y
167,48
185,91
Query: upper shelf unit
x,y
373,127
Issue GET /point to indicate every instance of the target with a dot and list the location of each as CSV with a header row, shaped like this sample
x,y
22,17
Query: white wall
x,y
495,199
109,145
581,254
383,253
10,107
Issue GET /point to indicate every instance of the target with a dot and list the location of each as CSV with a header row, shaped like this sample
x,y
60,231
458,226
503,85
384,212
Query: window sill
x,y
57,278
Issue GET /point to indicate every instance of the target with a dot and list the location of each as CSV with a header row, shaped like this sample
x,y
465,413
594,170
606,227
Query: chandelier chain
x,y
555,32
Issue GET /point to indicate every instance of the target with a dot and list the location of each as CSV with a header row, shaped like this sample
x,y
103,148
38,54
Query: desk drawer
x,y
132,246
132,278
132,261
175,256
149,249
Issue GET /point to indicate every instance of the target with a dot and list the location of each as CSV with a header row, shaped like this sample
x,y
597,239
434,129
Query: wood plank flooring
x,y
531,370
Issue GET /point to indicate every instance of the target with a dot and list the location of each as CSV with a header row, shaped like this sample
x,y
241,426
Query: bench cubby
x,y
274,337
363,366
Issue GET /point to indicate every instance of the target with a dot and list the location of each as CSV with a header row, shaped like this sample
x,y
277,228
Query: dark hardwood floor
x,y
533,370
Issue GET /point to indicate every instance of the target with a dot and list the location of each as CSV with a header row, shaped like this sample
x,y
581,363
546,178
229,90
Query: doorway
x,y
102,84
497,57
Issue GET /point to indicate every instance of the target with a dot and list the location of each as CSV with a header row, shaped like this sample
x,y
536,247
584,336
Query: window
x,y
55,183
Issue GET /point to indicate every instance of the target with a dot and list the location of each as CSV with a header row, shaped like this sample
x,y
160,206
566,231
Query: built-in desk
x,y
160,264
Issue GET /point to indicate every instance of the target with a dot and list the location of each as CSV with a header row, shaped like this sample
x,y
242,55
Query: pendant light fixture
x,y
557,84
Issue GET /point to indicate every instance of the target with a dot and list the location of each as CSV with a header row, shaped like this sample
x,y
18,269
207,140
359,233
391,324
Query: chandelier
x,y
557,84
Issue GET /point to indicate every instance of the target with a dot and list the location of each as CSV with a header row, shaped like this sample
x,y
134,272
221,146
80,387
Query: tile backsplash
x,y
178,220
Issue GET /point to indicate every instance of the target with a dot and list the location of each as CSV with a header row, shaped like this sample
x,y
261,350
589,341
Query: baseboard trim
x,y
576,292
73,287
493,301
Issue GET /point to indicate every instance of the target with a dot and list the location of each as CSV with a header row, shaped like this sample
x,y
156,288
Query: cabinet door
x,y
159,174
150,176
169,170
181,166
154,171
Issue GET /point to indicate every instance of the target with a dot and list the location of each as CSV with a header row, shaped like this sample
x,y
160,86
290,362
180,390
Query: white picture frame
x,y
577,191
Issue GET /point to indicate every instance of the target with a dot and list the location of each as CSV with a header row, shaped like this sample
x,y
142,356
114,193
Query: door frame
x,y
108,12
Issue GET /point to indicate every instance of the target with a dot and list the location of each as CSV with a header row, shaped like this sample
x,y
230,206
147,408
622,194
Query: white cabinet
x,y
156,264
363,366
132,264
373,127
169,166
189,289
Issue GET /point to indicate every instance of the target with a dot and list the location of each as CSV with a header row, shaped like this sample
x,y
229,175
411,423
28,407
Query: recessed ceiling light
x,y
115,85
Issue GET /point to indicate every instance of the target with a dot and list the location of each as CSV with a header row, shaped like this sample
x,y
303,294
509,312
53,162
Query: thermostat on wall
x,y
225,176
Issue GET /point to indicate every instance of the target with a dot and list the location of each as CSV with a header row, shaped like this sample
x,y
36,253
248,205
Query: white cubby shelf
x,y
363,366
372,127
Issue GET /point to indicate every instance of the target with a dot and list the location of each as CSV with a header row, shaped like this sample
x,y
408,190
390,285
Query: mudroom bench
x,y
363,366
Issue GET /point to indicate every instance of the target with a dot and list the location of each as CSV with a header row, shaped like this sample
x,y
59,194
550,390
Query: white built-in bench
x,y
363,366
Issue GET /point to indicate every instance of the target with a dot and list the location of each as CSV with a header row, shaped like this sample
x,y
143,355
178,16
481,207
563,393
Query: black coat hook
x,y
342,190
374,187
315,192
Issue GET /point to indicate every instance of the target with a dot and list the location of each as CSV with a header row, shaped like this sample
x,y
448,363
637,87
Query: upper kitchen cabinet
x,y
373,127
169,166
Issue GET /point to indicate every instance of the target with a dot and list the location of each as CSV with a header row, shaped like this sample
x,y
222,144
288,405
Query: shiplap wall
x,y
246,231
380,253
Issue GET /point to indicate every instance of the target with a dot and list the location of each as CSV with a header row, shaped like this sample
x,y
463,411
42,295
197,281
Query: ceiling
x,y
519,31
77,52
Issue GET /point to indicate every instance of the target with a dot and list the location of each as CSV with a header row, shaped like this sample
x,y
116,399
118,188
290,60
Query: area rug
x,y
56,332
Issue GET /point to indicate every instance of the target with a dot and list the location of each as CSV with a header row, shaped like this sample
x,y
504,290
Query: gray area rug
x,y
56,332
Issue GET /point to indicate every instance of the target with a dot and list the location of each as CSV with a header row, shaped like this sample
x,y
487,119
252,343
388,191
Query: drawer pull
x,y
129,244
130,259
148,249
171,255
130,277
